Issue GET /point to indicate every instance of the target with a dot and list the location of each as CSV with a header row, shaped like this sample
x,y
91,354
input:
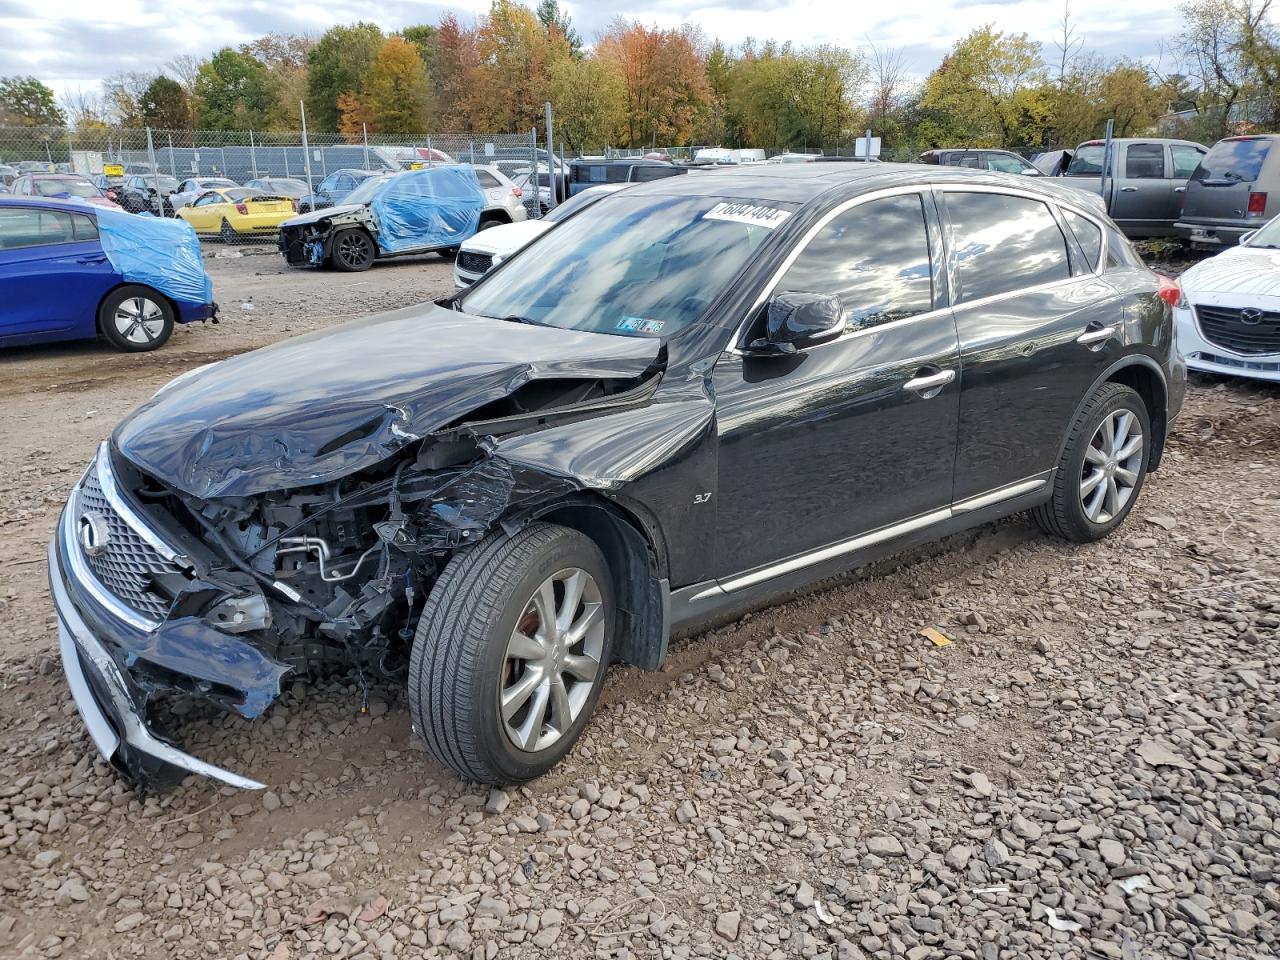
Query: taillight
x,y
518,192
1257,204
242,208
1171,292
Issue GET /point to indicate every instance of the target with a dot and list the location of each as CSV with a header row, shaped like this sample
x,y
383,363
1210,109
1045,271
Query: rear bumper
x,y
193,312
1214,234
105,695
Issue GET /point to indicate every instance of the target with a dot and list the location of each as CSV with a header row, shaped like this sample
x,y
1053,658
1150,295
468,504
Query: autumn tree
x,y
338,64
587,97
456,50
164,104
787,97
1231,52
397,89
511,77
557,22
234,91
989,91
26,102
665,88
122,94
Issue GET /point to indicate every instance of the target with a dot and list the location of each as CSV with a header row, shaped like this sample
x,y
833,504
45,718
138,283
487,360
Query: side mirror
x,y
797,320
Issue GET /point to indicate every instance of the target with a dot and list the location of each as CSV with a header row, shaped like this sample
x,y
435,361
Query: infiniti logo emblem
x,y
94,534
1251,316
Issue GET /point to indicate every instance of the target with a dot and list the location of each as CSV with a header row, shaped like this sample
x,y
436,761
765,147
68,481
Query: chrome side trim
x,y
1001,493
872,538
74,637
107,480
84,576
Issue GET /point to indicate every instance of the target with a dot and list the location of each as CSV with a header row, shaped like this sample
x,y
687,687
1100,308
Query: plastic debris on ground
x,y
437,207
1058,923
159,253
936,637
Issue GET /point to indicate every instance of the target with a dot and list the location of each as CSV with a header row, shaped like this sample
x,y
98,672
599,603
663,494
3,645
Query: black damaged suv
x,y
700,394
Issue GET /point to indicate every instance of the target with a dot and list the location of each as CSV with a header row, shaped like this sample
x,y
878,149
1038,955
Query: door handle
x,y
1094,334
929,381
1179,189
1128,189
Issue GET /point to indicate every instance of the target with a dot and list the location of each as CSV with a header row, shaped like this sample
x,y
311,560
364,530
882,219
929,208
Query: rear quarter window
x,y
1004,243
1088,234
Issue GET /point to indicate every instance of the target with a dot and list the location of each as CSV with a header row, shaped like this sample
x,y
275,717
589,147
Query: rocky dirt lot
x,y
1090,769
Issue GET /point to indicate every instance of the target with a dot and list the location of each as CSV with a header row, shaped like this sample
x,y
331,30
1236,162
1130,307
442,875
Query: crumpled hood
x,y
319,407
322,214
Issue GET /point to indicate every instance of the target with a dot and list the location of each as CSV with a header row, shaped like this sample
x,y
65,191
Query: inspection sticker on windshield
x,y
751,213
640,325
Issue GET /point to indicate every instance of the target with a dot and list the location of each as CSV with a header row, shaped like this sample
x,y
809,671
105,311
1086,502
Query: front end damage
x,y
161,593
308,240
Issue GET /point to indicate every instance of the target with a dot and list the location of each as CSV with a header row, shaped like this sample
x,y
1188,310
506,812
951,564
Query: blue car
x,y
334,188
71,271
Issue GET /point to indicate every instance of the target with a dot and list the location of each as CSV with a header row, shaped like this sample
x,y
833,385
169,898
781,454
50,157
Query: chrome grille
x,y
128,564
475,262
1240,331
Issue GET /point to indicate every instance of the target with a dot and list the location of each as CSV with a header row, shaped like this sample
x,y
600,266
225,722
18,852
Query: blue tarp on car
x,y
163,254
436,207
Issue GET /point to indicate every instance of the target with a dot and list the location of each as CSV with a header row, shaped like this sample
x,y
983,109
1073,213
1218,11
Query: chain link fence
x,y
160,171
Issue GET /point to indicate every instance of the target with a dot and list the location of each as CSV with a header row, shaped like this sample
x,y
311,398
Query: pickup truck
x,y
1146,183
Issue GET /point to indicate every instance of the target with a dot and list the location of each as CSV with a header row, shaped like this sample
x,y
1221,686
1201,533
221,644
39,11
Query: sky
x,y
72,44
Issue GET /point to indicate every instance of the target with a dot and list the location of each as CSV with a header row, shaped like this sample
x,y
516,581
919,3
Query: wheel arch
x,y
1144,376
495,215
637,566
102,301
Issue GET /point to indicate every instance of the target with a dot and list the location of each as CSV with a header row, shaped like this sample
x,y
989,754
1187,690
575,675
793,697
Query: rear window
x,y
1233,161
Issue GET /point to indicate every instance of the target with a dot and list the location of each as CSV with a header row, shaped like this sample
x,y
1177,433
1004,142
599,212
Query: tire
x,y
465,654
226,232
352,251
167,208
1083,515
449,253
135,319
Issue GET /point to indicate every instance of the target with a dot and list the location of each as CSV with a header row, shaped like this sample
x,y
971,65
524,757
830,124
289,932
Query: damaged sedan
x,y
697,395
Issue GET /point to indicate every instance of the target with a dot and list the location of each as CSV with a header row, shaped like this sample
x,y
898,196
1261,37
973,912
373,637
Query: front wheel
x,y
135,319
352,251
510,653
1102,466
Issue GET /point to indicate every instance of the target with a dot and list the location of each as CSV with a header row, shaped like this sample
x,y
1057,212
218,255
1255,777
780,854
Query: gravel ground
x,y
1091,768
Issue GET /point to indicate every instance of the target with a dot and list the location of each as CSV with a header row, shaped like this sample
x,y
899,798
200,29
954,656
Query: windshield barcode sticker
x,y
750,213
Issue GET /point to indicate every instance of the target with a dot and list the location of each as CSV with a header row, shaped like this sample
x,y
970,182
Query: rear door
x,y
53,273
1024,294
1143,194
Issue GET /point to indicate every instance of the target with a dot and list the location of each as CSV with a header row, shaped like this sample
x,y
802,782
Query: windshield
x,y
1267,236
636,266
365,192
74,188
1233,161
1087,161
578,201
214,182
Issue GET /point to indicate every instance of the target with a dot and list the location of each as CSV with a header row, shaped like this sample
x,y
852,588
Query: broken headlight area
x,y
290,583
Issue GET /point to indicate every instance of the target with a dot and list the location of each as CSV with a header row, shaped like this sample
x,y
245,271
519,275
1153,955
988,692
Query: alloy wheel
x,y
552,660
353,249
1112,465
139,320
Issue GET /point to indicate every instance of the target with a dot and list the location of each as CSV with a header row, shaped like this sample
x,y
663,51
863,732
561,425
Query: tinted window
x,y
1004,243
965,160
1144,161
874,257
645,174
1088,234
1233,161
1185,161
487,179
34,228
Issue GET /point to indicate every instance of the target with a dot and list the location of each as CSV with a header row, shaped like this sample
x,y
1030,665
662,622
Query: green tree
x,y
990,90
511,79
26,102
164,104
557,21
338,64
587,96
396,90
235,92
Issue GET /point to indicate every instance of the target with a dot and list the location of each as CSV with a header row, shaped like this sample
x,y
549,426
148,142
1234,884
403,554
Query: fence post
x,y
473,153
306,152
551,157
429,153
533,166
155,171
173,169
253,157
563,173
364,130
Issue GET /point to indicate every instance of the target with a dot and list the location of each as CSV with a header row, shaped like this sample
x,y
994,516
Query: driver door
x,y
856,433
202,214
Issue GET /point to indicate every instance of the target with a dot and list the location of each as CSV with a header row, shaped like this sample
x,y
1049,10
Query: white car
x,y
1228,318
496,242
191,188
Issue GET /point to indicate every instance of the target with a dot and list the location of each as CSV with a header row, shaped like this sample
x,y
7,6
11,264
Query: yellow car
x,y
235,212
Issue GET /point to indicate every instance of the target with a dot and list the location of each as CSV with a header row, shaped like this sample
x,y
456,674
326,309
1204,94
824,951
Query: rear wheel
x,y
1102,468
352,251
510,653
135,319
167,208
226,232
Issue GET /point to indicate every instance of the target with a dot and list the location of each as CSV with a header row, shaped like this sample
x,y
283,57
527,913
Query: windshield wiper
x,y
529,320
